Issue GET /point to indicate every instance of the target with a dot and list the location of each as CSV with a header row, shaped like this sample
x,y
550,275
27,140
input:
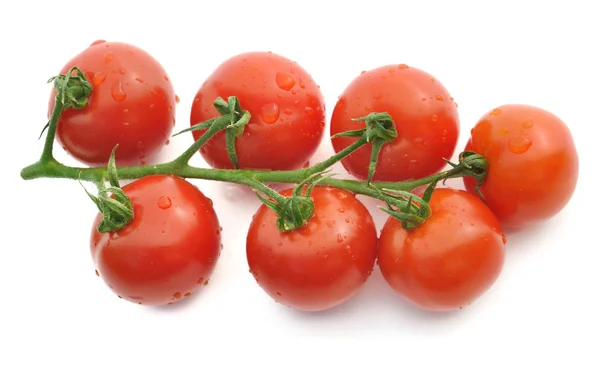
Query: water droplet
x,y
164,202
309,111
527,123
187,294
163,231
412,164
98,79
391,70
117,92
348,247
322,124
139,80
434,118
496,111
200,281
177,100
177,295
280,243
503,131
270,113
151,106
108,57
423,99
301,83
285,81
519,144
402,66
306,165
288,111
347,220
341,210
504,239
439,98
170,107
340,239
97,42
326,257
166,78
97,273
167,142
278,293
363,72
206,282
122,71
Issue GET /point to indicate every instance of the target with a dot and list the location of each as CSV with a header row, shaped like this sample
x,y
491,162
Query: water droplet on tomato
x,y
322,124
423,99
348,247
391,70
151,106
206,282
97,42
163,231
164,202
98,79
270,113
177,100
341,210
167,142
177,295
108,57
166,78
293,91
519,144
326,257
347,220
503,131
527,123
139,80
309,111
122,71
363,72
340,239
439,98
301,83
280,244
402,66
496,111
117,92
504,239
434,118
285,81
170,107
278,293
97,273
200,281
412,164
306,164
288,111
209,201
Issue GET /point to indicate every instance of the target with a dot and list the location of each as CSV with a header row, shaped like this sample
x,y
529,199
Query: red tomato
x,y
132,104
168,251
287,108
533,163
320,265
448,261
425,116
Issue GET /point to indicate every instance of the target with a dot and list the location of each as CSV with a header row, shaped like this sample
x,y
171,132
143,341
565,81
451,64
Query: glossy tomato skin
x,y
424,113
451,259
533,163
132,104
287,108
321,265
169,250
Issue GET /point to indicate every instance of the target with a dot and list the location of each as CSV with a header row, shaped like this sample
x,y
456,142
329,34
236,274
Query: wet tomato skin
x,y
450,260
424,114
169,250
132,104
533,163
320,265
286,105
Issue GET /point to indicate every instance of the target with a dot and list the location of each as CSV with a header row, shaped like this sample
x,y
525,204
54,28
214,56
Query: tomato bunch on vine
x,y
257,119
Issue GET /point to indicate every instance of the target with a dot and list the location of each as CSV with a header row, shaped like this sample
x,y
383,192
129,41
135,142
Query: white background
x,y
53,309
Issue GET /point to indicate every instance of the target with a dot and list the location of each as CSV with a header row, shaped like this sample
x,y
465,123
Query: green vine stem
x,y
74,91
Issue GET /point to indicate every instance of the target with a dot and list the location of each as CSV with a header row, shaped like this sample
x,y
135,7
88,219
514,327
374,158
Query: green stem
x,y
49,143
321,166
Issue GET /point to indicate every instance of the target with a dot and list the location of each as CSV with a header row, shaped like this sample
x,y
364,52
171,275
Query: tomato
x,y
533,163
132,104
425,116
320,265
170,248
286,105
450,260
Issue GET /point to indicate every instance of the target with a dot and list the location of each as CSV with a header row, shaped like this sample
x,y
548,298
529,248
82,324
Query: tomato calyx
x,y
470,164
295,211
114,205
233,120
379,129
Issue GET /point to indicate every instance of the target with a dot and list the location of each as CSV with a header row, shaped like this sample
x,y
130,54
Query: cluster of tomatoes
x,y
171,247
